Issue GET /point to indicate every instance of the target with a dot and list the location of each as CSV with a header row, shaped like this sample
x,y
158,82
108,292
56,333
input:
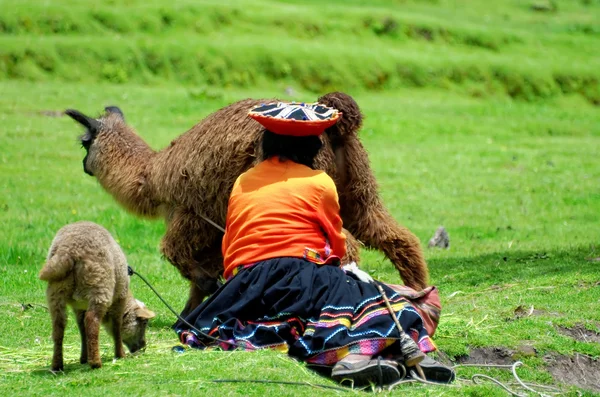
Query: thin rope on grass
x,y
514,371
131,271
527,386
496,381
513,367
415,377
484,365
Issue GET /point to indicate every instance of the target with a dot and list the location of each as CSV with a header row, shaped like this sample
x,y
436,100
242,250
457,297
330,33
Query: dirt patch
x,y
527,311
537,312
580,333
587,284
497,355
487,355
579,370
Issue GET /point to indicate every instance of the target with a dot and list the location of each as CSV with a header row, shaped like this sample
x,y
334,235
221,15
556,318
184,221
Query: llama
x,y
190,180
87,270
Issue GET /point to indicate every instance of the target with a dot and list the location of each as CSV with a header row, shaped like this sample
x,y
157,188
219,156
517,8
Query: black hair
x,y
299,149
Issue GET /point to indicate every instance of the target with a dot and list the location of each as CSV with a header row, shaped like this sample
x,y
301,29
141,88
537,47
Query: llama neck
x,y
121,164
358,189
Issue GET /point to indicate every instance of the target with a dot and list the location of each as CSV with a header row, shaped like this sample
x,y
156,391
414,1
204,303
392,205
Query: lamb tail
x,y
57,267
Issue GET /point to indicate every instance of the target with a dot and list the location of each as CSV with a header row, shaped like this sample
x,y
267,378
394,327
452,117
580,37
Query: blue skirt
x,y
316,313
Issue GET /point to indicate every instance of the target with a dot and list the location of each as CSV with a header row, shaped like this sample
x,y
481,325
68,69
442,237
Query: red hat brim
x,y
295,127
285,125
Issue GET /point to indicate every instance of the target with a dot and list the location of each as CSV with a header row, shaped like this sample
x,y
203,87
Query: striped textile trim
x,y
368,347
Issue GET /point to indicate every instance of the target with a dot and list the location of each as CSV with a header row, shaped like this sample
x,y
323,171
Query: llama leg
x,y
400,245
352,248
93,318
367,219
80,316
58,313
194,248
117,324
205,276
404,250
196,297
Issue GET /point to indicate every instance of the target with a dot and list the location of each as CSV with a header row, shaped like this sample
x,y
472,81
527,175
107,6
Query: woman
x,y
282,248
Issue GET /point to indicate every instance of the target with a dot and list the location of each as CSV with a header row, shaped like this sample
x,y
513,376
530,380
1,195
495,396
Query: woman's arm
x,y
330,220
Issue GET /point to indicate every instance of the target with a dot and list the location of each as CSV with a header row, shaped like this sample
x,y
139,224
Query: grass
x,y
515,52
513,177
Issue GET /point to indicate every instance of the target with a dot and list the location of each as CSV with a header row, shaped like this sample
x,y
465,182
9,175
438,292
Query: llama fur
x,y
87,270
193,176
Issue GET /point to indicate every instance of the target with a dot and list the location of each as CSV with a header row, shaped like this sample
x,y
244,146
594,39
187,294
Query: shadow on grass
x,y
163,322
45,372
509,266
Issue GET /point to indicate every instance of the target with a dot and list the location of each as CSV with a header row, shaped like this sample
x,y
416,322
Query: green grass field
x,y
480,116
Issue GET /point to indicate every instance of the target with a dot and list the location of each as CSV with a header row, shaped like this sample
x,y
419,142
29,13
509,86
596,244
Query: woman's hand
x,y
352,267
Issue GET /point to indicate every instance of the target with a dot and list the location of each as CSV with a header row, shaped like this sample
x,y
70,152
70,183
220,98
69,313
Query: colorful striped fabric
x,y
318,314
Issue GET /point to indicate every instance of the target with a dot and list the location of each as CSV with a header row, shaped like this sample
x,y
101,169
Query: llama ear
x,y
143,313
91,124
115,110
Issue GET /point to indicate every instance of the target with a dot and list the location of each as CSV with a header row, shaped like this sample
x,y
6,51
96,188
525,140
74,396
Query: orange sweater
x,y
279,209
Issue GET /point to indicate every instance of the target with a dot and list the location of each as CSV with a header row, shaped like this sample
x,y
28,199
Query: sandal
x,y
436,372
363,373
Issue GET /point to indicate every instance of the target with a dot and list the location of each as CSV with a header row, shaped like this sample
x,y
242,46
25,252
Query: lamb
x,y
190,180
87,270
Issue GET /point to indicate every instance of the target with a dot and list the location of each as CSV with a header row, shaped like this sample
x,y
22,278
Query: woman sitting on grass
x,y
285,288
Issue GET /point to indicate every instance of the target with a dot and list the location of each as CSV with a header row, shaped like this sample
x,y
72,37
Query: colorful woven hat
x,y
296,119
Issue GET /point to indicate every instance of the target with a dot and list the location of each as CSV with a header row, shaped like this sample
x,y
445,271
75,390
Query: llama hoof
x,y
96,365
83,360
119,351
57,368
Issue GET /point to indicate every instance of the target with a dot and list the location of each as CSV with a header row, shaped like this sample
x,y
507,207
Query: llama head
x,y
351,119
108,123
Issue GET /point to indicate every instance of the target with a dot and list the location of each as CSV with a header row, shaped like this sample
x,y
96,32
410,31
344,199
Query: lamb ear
x,y
140,303
91,124
115,110
142,312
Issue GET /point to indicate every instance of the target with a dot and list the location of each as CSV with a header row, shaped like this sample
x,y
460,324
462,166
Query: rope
x,y
496,381
484,365
415,377
212,223
389,307
405,341
131,272
380,372
513,368
523,385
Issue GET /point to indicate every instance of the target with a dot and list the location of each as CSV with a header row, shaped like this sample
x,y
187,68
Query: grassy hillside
x,y
506,49
479,116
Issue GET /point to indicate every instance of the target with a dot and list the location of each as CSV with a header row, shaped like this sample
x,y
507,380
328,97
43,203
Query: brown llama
x,y
192,177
